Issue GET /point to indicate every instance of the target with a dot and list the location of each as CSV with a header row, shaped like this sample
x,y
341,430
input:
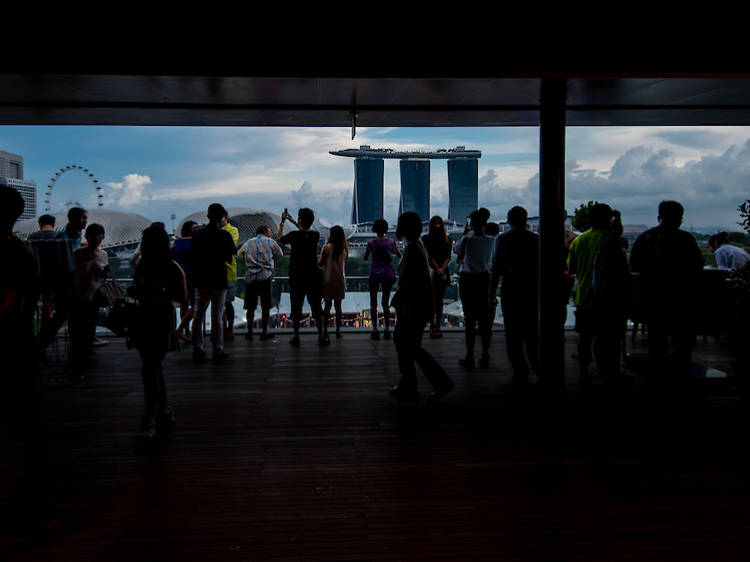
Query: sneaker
x,y
98,342
484,360
438,394
147,430
219,356
468,362
375,335
165,419
199,356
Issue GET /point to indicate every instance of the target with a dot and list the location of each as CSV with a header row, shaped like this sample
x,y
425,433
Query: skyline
x,y
159,171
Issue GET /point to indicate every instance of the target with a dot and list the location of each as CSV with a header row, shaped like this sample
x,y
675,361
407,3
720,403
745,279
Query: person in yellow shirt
x,y
231,280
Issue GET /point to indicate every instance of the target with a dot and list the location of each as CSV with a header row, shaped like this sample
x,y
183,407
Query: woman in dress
x,y
438,247
381,274
333,259
158,284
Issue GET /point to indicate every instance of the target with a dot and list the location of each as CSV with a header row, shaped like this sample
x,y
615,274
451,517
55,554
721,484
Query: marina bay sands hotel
x,y
463,180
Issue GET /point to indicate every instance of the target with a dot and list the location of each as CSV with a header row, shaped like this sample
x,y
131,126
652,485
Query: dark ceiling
x,y
227,98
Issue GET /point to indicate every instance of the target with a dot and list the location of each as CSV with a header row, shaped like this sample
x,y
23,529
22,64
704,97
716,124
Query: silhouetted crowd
x,y
200,269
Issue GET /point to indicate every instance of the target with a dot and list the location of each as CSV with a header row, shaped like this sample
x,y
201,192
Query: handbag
x,y
121,319
109,292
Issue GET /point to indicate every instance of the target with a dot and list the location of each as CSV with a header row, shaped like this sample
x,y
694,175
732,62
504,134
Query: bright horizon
x,y
160,171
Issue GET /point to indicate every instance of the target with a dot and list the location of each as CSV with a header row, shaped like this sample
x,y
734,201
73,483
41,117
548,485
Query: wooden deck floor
x,y
301,454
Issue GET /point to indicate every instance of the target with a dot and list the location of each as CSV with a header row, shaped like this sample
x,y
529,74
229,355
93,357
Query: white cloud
x,y
131,191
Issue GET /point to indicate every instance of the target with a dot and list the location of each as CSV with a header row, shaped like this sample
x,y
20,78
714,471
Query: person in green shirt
x,y
581,258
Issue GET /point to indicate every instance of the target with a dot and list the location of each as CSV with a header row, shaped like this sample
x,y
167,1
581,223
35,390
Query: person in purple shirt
x,y
381,274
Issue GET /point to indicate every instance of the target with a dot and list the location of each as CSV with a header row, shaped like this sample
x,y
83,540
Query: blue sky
x,y
160,171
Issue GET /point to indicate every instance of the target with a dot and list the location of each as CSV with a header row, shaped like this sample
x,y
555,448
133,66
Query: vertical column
x,y
552,233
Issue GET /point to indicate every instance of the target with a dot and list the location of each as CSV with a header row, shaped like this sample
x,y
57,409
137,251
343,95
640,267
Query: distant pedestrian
x,y
382,276
92,268
181,254
473,249
413,303
228,321
515,261
211,249
259,253
305,277
669,265
727,256
438,247
333,258
158,284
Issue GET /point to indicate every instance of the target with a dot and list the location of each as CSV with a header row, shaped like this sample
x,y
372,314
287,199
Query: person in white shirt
x,y
258,254
474,250
727,256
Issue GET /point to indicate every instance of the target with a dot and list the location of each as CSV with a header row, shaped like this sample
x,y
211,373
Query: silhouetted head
x,y
11,207
46,221
305,217
409,226
77,219
600,215
380,226
492,229
716,241
94,235
187,229
337,237
263,229
670,214
155,245
216,212
518,217
478,220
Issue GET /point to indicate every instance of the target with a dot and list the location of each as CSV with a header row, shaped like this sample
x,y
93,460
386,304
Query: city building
x,y
11,168
367,200
415,187
463,188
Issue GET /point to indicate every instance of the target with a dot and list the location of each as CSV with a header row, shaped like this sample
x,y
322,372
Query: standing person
x,y
333,259
581,258
381,275
727,256
438,247
305,277
669,265
92,268
259,255
474,250
228,319
492,229
211,249
181,254
413,303
46,229
71,236
158,283
515,261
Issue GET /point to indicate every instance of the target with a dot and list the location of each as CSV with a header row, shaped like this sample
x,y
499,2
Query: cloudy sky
x,y
160,171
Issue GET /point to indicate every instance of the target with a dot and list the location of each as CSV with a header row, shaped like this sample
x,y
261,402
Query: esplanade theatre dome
x,y
120,228
247,221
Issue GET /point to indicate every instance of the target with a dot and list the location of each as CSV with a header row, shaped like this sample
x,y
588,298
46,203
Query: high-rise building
x,y
367,202
463,188
11,169
415,187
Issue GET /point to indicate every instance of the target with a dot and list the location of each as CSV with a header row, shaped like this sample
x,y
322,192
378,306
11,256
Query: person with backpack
x,y
382,275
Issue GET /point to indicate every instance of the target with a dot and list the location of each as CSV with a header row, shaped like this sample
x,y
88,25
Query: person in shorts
x,y
382,276
305,276
258,254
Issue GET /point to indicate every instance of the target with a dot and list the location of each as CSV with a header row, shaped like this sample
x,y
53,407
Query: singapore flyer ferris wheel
x,y
73,168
